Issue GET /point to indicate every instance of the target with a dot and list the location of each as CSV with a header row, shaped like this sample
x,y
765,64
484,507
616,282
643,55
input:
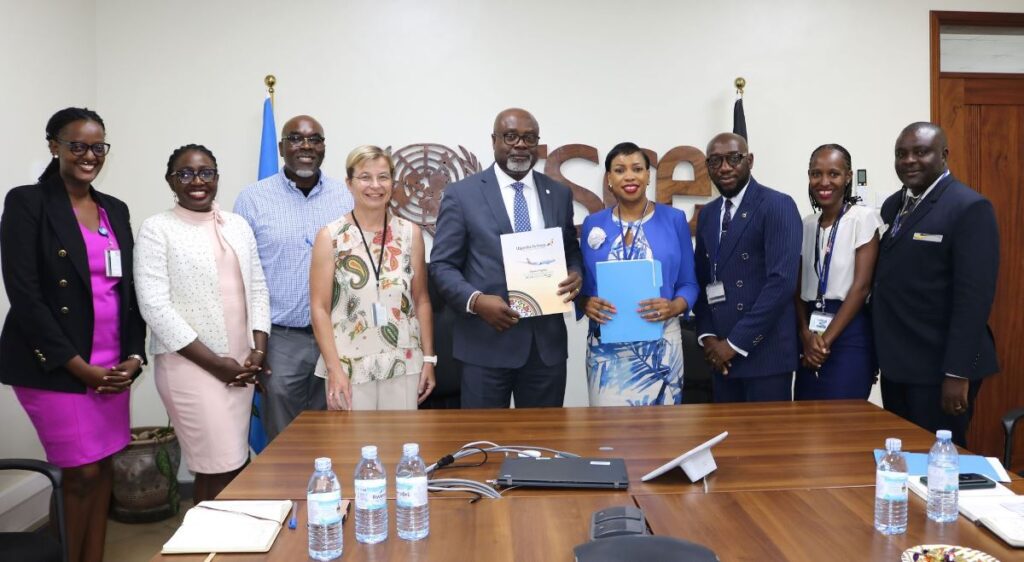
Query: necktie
x,y
520,212
727,217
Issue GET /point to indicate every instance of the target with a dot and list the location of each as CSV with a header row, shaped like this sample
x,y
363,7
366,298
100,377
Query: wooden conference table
x,y
795,480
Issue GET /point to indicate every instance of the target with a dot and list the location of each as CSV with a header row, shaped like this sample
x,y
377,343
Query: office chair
x,y
1010,420
37,546
696,371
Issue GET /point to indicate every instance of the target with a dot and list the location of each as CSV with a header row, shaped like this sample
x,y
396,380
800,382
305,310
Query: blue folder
x,y
917,464
625,284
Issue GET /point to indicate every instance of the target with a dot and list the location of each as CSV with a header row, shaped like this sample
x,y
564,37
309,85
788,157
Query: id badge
x,y
715,292
379,313
113,259
819,322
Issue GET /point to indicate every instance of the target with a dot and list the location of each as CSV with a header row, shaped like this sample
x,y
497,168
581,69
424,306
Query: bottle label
x,y
891,485
411,492
943,479
371,494
323,508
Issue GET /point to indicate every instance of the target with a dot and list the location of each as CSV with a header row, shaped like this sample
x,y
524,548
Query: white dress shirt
x,y
508,194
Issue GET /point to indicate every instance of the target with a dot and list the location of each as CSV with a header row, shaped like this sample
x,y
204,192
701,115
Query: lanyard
x,y
721,236
820,268
909,206
380,262
632,247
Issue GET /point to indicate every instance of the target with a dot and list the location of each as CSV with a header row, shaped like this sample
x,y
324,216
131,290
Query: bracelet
x,y
137,357
432,359
260,351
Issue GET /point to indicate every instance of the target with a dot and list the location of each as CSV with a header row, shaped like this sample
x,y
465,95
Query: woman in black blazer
x,y
73,340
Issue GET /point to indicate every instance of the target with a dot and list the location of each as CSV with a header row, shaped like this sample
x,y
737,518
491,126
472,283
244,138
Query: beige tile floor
x,y
140,542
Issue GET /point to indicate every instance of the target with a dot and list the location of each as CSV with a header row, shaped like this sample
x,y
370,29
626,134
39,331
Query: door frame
x,y
981,19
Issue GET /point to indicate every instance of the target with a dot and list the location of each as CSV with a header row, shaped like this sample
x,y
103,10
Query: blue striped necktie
x,y
727,216
520,212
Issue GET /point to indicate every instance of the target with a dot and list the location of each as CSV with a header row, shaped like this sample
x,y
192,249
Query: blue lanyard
x,y
626,256
820,268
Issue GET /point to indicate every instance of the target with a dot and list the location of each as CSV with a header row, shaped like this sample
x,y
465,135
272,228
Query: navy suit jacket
x,y
759,263
466,257
46,274
934,285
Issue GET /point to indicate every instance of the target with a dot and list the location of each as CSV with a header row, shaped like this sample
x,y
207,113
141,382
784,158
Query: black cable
x,y
448,461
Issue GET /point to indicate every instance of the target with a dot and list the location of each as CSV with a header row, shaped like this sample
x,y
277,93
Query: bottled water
x,y
323,510
891,490
412,514
943,479
371,498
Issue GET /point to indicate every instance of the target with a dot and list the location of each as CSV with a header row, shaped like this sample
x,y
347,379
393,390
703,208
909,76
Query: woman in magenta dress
x,y
73,340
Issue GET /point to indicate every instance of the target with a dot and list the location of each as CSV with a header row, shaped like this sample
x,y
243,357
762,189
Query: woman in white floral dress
x,y
368,298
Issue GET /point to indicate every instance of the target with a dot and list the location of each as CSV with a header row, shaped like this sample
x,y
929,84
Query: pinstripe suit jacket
x,y
759,263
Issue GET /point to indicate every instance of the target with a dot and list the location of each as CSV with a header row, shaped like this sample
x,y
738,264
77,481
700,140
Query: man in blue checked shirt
x,y
286,211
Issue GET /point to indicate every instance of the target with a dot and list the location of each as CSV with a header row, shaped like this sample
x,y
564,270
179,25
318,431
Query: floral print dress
x,y
390,346
643,373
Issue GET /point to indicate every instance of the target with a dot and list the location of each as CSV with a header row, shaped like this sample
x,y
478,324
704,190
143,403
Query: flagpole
x,y
740,83
269,81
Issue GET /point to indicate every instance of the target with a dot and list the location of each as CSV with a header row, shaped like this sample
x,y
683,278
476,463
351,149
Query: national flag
x,y
739,121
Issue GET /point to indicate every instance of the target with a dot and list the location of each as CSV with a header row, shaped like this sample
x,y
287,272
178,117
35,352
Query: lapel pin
x,y
743,215
548,191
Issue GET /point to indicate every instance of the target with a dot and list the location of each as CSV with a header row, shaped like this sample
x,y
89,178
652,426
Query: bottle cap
x,y
322,464
411,449
944,434
370,452
893,444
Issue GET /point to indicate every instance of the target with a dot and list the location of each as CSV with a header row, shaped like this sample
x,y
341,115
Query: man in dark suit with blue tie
x,y
502,354
748,263
934,286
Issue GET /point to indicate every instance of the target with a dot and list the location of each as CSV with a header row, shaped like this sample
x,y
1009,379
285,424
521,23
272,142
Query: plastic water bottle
x,y
412,514
943,479
891,490
371,498
323,510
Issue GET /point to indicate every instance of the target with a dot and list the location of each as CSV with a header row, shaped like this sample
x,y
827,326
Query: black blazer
x,y
934,286
46,275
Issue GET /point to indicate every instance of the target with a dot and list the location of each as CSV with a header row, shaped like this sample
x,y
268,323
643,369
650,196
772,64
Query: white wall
x,y
395,72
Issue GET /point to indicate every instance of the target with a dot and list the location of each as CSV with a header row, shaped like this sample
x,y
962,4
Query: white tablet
x,y
696,463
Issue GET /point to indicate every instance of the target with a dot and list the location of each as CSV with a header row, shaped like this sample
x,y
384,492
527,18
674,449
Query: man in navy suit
x,y
502,354
934,285
748,263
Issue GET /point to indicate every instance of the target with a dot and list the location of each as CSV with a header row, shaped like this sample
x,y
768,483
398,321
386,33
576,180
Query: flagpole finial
x,y
270,80
740,83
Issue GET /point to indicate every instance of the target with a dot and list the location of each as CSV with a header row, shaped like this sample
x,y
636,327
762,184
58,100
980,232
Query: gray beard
x,y
304,173
518,165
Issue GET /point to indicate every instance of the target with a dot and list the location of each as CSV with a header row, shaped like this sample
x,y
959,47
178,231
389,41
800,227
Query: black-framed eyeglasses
x,y
296,140
529,139
733,158
205,175
79,148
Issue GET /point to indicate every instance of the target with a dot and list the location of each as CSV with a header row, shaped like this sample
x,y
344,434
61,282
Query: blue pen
x,y
293,521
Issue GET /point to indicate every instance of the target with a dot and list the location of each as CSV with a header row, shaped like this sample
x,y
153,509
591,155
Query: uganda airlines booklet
x,y
534,266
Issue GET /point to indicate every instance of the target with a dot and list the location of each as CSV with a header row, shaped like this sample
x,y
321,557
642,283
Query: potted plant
x,y
146,476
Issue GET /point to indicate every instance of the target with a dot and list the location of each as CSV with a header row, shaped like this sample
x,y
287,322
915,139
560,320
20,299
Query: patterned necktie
x,y
520,212
727,217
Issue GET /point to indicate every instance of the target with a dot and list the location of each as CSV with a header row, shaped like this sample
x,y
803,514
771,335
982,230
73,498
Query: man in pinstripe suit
x,y
748,264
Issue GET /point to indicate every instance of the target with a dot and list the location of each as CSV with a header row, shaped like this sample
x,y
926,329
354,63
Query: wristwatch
x,y
432,359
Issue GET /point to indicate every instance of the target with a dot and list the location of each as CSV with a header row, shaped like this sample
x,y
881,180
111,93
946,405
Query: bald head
x,y
294,123
728,138
921,153
515,137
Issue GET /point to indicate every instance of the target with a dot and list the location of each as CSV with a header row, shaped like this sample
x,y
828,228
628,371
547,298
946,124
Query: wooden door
x,y
983,115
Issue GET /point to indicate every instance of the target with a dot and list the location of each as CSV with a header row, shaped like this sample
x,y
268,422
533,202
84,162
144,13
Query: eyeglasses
x,y
734,159
512,139
296,140
205,175
367,180
79,148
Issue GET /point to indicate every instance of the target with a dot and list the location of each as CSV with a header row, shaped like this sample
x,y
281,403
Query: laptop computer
x,y
572,472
